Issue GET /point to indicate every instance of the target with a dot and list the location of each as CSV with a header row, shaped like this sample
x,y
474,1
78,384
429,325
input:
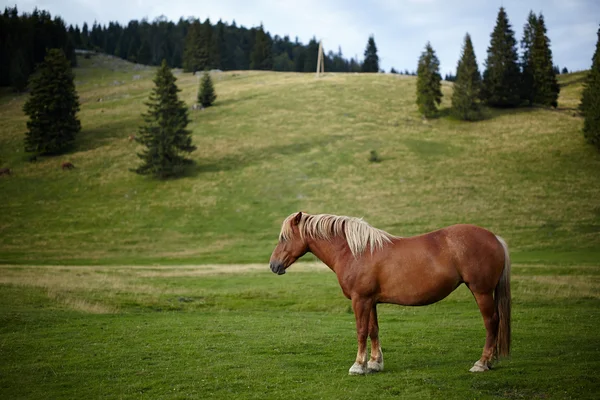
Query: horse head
x,y
292,245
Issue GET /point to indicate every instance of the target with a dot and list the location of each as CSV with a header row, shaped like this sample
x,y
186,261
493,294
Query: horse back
x,y
424,269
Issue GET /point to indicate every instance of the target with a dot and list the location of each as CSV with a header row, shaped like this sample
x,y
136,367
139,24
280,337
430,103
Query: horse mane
x,y
358,233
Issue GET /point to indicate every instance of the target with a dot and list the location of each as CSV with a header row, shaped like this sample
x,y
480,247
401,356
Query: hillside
x,y
276,143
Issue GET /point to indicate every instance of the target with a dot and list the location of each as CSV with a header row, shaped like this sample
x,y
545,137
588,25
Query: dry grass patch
x,y
559,286
80,304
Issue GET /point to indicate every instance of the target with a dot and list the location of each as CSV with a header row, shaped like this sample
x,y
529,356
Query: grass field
x,y
116,286
240,332
276,143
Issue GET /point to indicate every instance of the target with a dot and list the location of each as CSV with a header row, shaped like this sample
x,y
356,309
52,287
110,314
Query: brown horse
x,y
374,267
5,171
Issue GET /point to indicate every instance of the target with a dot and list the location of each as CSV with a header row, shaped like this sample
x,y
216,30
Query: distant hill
x,y
275,143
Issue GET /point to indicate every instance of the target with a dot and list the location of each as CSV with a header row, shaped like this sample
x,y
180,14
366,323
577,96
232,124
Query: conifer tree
x,y
527,93
207,51
144,55
311,55
261,57
501,78
371,62
545,87
590,101
206,94
164,133
52,107
467,86
429,82
221,57
192,51
19,72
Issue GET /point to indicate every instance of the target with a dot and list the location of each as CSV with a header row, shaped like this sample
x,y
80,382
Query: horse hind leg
x,y
486,304
375,363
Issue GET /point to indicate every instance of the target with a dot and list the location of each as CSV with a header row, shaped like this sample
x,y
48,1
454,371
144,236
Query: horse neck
x,y
334,253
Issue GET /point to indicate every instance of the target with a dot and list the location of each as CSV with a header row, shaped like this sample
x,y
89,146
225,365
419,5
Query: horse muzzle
x,y
277,268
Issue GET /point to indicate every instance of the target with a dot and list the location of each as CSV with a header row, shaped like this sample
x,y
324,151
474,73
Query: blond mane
x,y
358,233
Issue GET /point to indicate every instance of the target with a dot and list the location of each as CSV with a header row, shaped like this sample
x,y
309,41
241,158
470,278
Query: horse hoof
x,y
357,369
374,366
479,367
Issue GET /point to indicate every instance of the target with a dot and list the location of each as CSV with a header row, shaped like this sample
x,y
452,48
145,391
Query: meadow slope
x,y
275,143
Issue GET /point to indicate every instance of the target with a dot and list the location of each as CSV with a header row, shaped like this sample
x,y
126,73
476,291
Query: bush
x,y
374,157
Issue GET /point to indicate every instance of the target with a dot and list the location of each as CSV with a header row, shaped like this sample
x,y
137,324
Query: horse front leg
x,y
362,313
375,363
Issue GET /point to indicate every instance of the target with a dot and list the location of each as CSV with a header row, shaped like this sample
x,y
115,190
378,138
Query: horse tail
x,y
502,302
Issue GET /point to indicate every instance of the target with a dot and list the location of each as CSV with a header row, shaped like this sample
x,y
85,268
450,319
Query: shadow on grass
x,y
489,113
255,156
447,113
118,128
240,99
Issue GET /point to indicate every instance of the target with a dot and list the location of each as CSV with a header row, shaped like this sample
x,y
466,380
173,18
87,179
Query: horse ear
x,y
297,218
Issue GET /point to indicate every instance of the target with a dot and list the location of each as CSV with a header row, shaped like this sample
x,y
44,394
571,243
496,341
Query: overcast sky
x,y
401,27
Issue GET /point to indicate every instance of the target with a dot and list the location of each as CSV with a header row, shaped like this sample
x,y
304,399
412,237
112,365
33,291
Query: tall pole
x,y
320,61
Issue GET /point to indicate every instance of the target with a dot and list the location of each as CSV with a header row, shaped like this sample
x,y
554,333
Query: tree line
x,y
196,45
25,39
190,44
509,79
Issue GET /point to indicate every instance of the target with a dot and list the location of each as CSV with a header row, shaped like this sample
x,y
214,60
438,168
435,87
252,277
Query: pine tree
x,y
371,62
52,107
527,92
467,86
221,52
206,94
192,53
164,133
85,36
134,48
429,82
590,100
545,86
261,57
501,78
144,55
206,53
311,55
19,71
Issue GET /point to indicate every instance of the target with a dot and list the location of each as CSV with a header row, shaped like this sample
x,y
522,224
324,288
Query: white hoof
x,y
357,369
374,366
479,367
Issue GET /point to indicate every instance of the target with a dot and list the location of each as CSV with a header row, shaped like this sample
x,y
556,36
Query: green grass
x,y
101,295
240,332
276,143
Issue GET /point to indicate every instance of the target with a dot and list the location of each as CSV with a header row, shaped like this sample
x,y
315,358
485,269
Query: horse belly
x,y
418,289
